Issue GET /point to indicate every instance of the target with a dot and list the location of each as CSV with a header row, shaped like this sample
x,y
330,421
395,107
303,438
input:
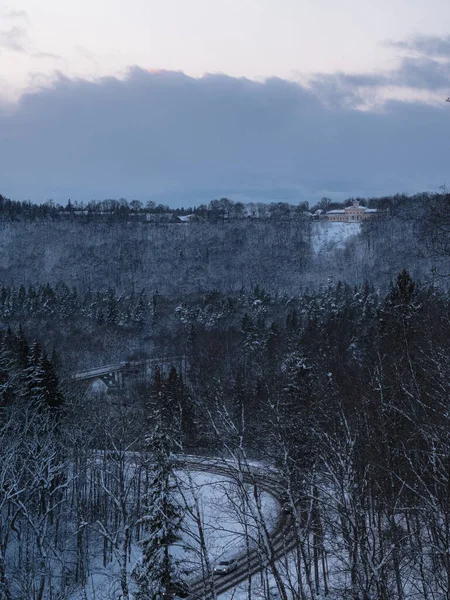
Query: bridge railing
x,y
125,366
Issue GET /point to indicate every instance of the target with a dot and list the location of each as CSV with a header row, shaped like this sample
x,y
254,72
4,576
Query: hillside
x,y
281,255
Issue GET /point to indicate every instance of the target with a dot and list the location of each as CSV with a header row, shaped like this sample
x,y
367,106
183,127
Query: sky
x,y
183,101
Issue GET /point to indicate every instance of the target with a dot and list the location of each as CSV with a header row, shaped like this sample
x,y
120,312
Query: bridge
x,y
115,376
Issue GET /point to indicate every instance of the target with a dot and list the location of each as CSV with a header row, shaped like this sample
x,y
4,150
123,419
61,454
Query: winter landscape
x,y
224,300
283,409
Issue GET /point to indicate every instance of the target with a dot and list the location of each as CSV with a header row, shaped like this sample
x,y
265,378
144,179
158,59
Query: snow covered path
x,y
279,530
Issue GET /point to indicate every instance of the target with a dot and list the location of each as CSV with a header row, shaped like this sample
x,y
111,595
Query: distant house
x,y
352,214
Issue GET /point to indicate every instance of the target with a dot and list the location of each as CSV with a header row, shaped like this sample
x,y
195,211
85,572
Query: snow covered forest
x,y
312,355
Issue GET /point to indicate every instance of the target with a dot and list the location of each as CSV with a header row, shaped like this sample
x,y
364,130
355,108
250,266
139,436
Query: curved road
x,y
248,563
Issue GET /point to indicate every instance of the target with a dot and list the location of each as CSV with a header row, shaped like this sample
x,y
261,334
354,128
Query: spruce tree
x,y
21,348
139,311
158,574
33,386
50,383
112,308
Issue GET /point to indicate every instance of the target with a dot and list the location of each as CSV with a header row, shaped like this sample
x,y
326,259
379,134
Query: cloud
x,y
427,45
424,73
417,77
14,38
181,140
47,55
15,14
347,90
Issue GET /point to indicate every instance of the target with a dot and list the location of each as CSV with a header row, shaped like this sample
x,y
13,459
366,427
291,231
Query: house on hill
x,y
352,214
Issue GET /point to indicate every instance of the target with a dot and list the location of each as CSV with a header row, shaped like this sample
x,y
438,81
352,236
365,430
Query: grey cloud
x,y
47,55
423,73
343,89
182,140
346,90
427,45
427,70
13,39
16,39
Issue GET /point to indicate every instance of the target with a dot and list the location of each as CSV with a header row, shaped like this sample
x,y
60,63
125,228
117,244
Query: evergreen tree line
x,y
27,374
64,303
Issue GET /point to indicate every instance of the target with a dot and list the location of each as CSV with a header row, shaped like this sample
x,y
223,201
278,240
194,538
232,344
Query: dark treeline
x,y
216,210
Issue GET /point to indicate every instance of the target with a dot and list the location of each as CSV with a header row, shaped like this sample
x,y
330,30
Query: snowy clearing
x,y
223,519
327,236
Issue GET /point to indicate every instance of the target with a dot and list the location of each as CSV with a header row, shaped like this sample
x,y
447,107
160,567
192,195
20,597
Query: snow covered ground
x,y
224,532
222,516
328,236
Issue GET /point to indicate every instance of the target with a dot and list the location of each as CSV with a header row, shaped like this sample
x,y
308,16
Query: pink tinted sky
x,y
253,38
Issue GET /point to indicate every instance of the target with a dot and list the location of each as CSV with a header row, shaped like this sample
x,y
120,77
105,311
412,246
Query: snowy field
x,y
328,236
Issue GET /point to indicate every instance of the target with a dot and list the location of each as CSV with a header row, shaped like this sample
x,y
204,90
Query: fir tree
x,y
155,308
158,574
50,384
171,408
140,309
112,309
33,386
48,299
22,349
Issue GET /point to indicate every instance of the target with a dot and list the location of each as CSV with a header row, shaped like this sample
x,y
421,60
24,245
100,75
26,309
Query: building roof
x,y
342,212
